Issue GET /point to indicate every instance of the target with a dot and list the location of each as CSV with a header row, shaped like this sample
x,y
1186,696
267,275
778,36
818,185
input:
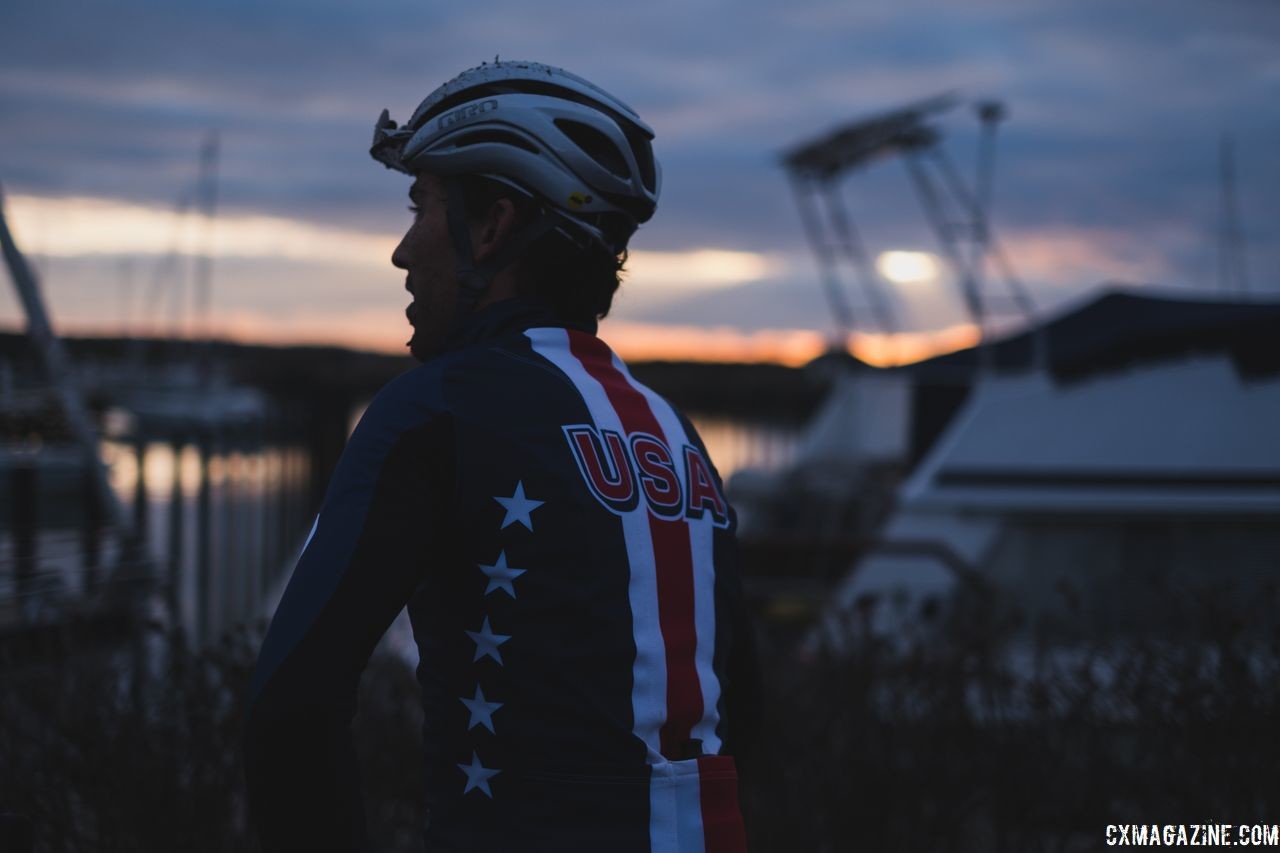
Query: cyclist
x,y
556,528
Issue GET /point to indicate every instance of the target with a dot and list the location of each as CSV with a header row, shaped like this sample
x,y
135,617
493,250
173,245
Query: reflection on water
x,y
242,510
734,443
220,531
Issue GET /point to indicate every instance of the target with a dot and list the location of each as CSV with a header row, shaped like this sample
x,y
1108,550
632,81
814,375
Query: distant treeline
x,y
755,391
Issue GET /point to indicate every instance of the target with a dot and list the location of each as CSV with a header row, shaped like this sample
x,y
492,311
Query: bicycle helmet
x,y
582,153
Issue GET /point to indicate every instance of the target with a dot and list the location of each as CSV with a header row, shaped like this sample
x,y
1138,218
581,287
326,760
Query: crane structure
x,y
956,214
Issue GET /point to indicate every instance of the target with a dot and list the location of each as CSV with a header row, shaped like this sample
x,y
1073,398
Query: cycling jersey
x,y
566,553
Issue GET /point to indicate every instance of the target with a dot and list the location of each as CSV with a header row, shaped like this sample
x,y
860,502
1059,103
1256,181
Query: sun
x,y
904,267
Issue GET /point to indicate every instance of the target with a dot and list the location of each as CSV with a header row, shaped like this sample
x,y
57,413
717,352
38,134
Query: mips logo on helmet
x,y
466,113
578,199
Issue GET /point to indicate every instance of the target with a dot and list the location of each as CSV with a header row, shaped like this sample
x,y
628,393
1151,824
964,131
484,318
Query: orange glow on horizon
x,y
656,342
371,332
884,350
791,347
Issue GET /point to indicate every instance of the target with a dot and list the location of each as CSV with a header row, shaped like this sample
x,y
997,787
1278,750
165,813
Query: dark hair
x,y
577,282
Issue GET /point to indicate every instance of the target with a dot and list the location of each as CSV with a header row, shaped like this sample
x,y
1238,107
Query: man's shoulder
x,y
406,401
512,358
441,383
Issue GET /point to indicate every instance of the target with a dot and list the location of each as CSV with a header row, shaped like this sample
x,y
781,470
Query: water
x,y
255,508
733,443
255,519
736,443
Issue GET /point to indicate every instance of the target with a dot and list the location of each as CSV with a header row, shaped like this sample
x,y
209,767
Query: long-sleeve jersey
x,y
567,556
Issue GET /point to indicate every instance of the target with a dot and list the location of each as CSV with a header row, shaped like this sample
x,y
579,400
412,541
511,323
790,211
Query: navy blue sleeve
x,y
386,506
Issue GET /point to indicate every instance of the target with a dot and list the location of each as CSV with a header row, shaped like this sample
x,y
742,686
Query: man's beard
x,y
422,344
417,347
419,350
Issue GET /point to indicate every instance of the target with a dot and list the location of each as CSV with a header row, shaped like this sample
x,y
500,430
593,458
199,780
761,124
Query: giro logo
x,y
620,472
466,113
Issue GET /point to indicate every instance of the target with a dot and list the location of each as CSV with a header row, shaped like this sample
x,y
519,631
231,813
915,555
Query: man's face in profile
x,y
426,254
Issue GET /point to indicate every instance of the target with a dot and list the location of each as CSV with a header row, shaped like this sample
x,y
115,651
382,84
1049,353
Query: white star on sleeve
x,y
501,575
477,776
487,642
518,508
481,711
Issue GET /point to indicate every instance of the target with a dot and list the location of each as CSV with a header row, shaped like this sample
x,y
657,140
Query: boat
x,y
1111,492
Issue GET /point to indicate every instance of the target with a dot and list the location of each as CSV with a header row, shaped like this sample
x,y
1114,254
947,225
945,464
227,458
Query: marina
x,y
1046,549
974,308
136,489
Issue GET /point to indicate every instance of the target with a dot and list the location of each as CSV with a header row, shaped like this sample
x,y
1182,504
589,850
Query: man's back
x,y
567,555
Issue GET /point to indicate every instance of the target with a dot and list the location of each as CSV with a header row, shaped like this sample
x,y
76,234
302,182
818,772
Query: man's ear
x,y
497,227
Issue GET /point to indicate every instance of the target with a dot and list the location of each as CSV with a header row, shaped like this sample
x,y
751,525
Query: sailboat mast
x,y
1232,272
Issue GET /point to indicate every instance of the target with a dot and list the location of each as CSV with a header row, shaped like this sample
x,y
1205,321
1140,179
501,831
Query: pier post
x,y
204,586
229,539
177,509
24,485
295,488
284,507
140,490
270,521
90,531
255,509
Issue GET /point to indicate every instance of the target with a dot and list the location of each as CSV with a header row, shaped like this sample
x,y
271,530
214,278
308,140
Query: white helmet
x,y
551,134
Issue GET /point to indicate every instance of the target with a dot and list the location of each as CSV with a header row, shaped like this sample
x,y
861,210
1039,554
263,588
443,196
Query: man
x,y
556,528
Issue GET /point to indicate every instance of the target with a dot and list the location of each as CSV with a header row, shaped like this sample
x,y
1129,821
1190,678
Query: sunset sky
x,y
1108,165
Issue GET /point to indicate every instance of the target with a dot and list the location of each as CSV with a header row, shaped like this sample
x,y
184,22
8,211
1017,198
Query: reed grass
x,y
962,740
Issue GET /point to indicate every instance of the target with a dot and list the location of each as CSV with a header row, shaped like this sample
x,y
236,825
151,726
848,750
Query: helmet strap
x,y
471,281
474,279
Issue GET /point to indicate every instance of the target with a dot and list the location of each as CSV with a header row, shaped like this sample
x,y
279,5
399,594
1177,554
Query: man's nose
x,y
398,257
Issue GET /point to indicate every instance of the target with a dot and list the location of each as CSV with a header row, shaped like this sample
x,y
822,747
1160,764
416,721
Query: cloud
x,y
1069,257
1107,166
700,269
69,227
66,227
1053,263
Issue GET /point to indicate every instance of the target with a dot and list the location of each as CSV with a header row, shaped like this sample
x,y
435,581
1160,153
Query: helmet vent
x,y
479,137
643,153
596,144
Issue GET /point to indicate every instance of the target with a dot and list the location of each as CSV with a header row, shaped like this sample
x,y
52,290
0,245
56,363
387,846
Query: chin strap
x,y
474,279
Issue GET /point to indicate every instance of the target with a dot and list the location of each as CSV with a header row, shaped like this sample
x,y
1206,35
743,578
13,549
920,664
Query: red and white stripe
x,y
675,693
700,532
693,807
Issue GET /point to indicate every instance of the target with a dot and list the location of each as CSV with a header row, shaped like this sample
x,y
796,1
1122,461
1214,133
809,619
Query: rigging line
x,y
169,263
851,242
1231,250
990,113
840,309
932,206
984,234
125,286
208,204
